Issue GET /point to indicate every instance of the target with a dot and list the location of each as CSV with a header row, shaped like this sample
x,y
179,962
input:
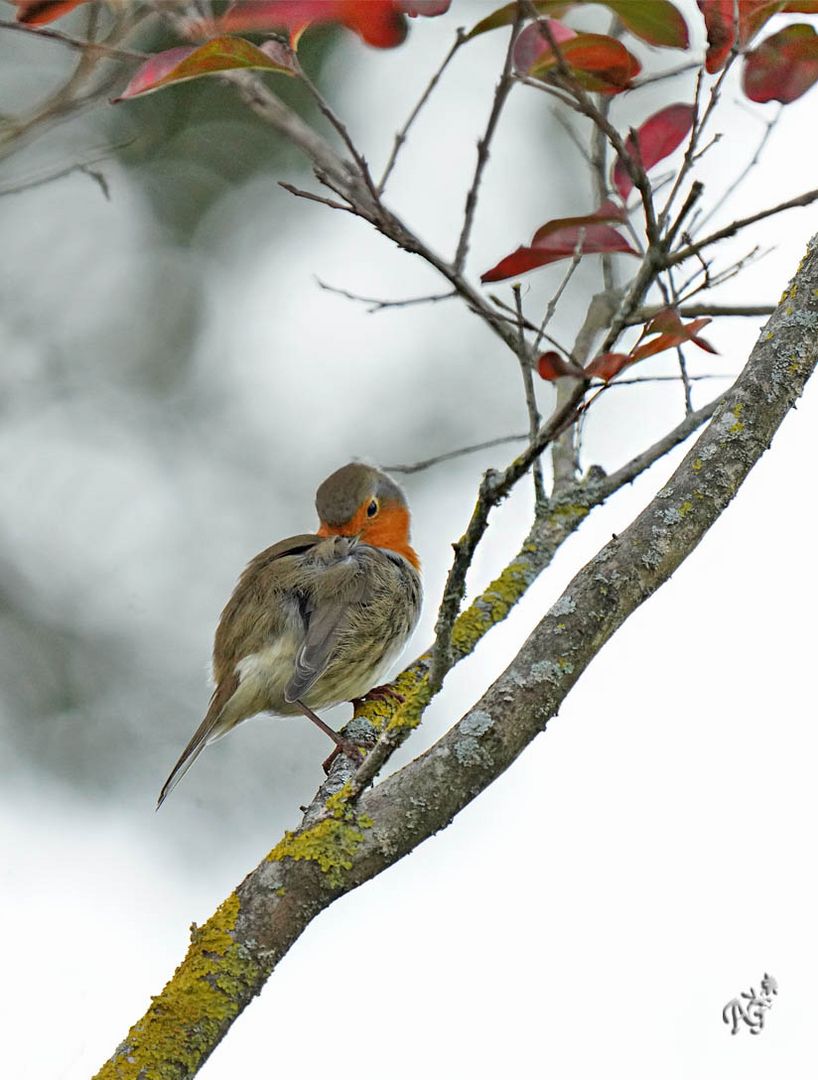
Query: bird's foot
x,y
343,746
379,693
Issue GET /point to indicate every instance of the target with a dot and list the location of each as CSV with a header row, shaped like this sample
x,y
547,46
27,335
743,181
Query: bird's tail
x,y
218,721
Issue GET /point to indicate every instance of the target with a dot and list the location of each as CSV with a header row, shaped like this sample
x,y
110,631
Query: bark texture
x,y
348,840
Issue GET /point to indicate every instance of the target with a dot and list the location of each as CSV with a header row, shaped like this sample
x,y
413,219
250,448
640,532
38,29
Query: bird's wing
x,y
236,636
264,600
337,590
205,733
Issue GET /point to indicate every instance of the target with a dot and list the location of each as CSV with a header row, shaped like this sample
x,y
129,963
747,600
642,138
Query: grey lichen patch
x,y
550,671
564,606
671,516
467,746
469,752
477,723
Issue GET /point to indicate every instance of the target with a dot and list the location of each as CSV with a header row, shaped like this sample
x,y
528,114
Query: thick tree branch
x,y
348,842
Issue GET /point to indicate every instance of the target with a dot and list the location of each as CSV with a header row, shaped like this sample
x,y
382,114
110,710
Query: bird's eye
x,y
372,509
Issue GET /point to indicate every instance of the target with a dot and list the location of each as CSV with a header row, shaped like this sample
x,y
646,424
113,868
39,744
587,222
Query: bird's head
x,y
359,500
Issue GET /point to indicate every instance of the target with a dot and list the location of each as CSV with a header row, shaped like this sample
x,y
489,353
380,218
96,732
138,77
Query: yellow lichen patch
x,y
685,508
698,465
492,607
331,844
208,990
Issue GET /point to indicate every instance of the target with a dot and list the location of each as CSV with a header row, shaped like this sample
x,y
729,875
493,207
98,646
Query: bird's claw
x,y
379,693
343,746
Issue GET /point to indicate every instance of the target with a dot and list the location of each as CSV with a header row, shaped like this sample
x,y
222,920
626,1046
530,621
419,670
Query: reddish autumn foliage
x,y
658,22
40,12
655,140
784,66
219,54
551,365
597,62
377,22
721,31
665,331
559,239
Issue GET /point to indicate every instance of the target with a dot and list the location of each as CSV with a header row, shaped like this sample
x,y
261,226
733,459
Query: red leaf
x,y
783,67
607,212
560,244
752,14
429,8
670,331
658,22
378,22
607,364
189,62
597,62
719,21
40,12
551,365
657,137
595,239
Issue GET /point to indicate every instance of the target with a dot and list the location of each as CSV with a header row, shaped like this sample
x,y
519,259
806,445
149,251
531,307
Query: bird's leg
x,y
379,693
342,745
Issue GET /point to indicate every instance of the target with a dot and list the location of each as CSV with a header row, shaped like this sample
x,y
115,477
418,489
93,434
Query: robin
x,y
316,619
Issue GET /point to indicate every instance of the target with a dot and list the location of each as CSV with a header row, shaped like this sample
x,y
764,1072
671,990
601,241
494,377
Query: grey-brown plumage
x,y
319,618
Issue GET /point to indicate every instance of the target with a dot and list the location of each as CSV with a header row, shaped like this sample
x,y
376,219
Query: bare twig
x,y
380,305
340,127
769,125
694,140
637,465
312,197
493,489
400,138
660,76
500,95
47,33
49,177
551,307
693,311
450,455
565,448
572,135
530,397
736,226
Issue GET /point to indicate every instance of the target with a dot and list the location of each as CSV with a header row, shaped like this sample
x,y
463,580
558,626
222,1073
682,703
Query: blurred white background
x,y
174,386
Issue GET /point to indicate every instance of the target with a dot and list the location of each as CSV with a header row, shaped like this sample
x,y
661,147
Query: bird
x,y
319,618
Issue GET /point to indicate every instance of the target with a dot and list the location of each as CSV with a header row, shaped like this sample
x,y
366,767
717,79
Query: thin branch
x,y
599,176
58,174
380,305
47,33
530,397
551,307
493,489
401,136
699,124
660,76
769,126
312,197
572,135
340,127
450,455
565,448
693,311
742,223
638,464
500,95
